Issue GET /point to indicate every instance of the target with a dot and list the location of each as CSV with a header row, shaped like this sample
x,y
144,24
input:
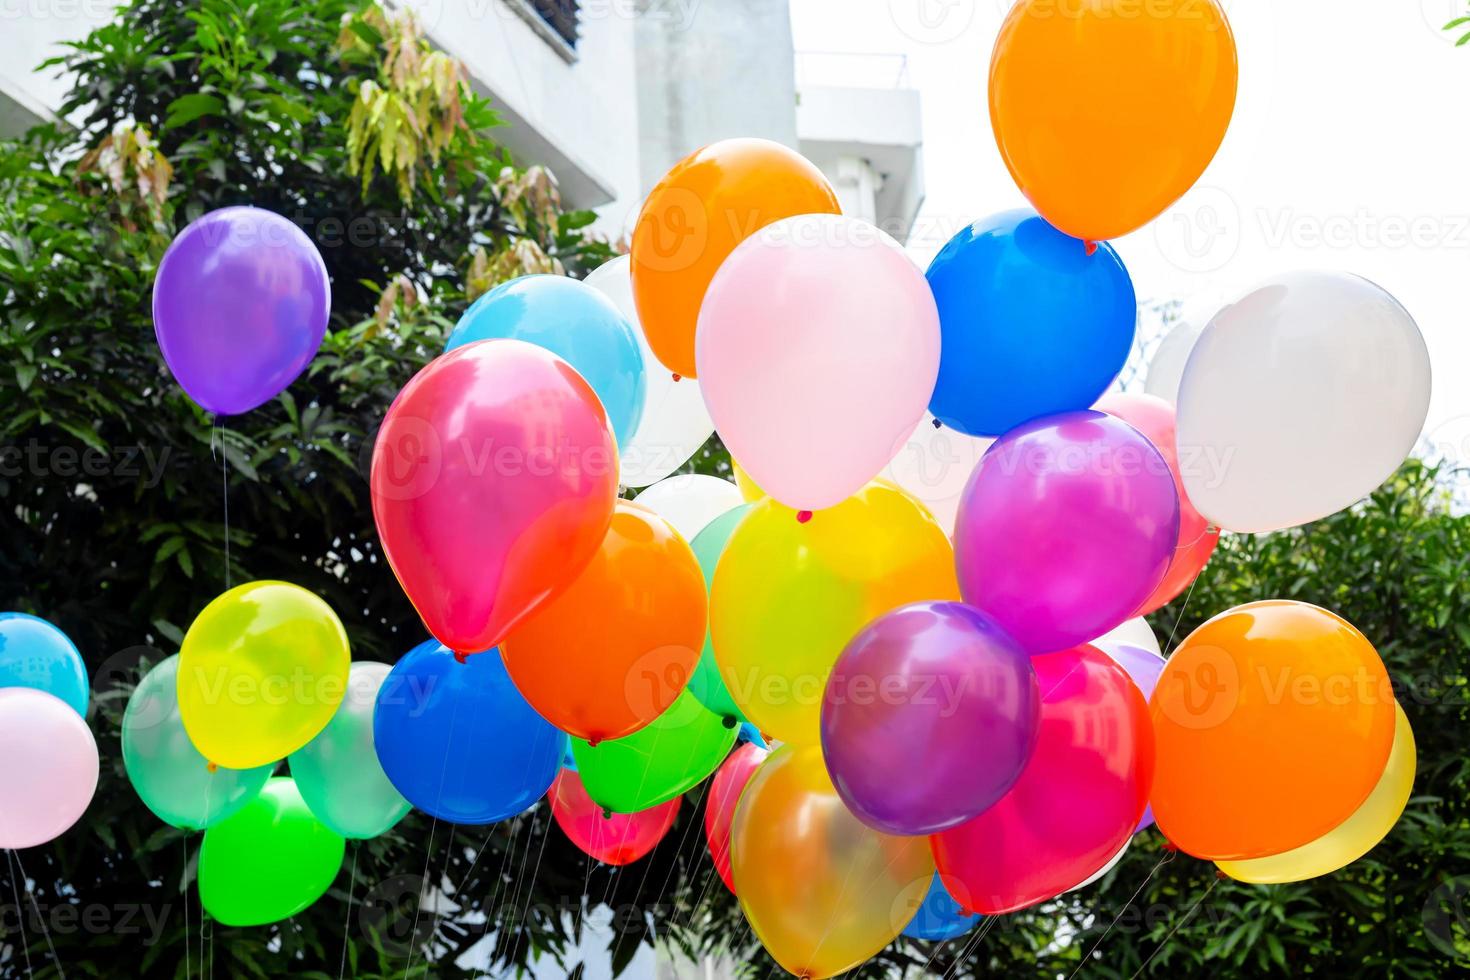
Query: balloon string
x,y
25,944
419,905
437,915
1163,860
224,456
971,945
1170,935
1169,646
184,890
45,933
347,922
525,911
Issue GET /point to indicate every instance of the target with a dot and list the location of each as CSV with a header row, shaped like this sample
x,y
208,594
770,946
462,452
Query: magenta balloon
x,y
240,307
928,718
1065,528
1076,802
1143,668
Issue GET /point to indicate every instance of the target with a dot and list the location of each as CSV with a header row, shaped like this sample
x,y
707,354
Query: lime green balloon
x,y
705,683
168,773
269,861
657,763
338,772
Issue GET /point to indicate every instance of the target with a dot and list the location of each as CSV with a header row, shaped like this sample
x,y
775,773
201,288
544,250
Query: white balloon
x,y
934,465
1133,633
690,501
675,422
1112,863
1166,368
1299,399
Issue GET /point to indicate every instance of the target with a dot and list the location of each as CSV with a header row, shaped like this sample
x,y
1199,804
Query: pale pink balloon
x,y
817,349
48,767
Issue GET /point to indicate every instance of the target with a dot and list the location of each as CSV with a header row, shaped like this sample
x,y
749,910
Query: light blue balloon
x,y
940,916
34,653
458,740
749,733
575,322
1030,324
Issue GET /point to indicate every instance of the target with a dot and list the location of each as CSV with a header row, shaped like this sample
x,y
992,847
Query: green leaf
x,y
188,108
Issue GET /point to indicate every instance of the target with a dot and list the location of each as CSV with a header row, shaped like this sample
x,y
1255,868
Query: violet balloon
x,y
1065,528
928,718
240,307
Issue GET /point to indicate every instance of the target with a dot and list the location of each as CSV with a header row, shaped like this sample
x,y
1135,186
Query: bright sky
x,y
1348,151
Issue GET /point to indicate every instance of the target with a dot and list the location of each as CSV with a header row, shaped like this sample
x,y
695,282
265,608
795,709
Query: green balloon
x,y
338,772
705,683
656,763
269,861
168,773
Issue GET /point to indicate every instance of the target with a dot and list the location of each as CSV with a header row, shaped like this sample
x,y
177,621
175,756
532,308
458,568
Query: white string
x,y
25,944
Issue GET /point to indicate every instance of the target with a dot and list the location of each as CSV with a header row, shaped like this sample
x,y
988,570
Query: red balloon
x,y
719,807
493,482
619,838
1077,800
1154,417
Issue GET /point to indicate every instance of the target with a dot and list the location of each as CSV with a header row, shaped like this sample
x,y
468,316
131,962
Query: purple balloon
x,y
1066,526
928,718
1143,668
240,307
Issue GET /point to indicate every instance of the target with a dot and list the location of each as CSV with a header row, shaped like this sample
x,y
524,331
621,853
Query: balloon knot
x,y
677,377
212,766
606,813
1089,246
461,658
1221,876
803,516
938,424
1171,847
730,722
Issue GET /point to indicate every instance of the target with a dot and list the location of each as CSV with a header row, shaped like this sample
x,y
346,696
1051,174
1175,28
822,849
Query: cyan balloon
x,y
34,653
705,683
459,741
940,917
170,776
1031,324
575,322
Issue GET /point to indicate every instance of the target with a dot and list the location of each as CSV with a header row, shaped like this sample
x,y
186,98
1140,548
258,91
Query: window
x,y
560,16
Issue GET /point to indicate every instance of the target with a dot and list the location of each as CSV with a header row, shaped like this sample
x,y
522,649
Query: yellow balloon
x,y
788,596
749,489
261,672
823,892
1354,837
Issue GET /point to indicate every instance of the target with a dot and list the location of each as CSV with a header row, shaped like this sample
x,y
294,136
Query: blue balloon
x,y
458,740
1030,324
749,733
34,653
940,917
576,323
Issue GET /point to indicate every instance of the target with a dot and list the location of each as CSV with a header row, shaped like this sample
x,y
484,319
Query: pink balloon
x,y
618,838
817,349
719,807
493,482
1065,528
48,766
1076,802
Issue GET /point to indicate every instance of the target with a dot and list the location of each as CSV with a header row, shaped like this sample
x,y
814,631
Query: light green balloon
x,y
705,683
269,861
338,772
169,774
655,764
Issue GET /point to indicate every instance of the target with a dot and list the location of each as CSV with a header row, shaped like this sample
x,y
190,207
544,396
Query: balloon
x,y
261,672
48,766
614,650
34,653
458,740
1143,668
705,683
240,306
817,332
1166,367
749,489
493,482
1107,113
934,466
170,776
1065,528
823,892
1274,722
1033,323
612,838
656,763
909,702
338,772
694,218
788,596
1135,633
719,806
690,501
1354,837
1099,874
941,918
268,862
1337,378
574,322
1154,417
674,424
1077,800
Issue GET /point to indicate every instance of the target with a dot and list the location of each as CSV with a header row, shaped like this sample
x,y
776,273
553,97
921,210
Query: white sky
x,y
1348,150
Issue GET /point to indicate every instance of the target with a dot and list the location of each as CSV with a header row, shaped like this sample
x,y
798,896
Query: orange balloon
x,y
1273,722
1107,111
711,201
608,655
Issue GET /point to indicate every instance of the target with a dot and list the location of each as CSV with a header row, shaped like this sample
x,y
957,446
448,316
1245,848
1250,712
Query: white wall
x,y
32,31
